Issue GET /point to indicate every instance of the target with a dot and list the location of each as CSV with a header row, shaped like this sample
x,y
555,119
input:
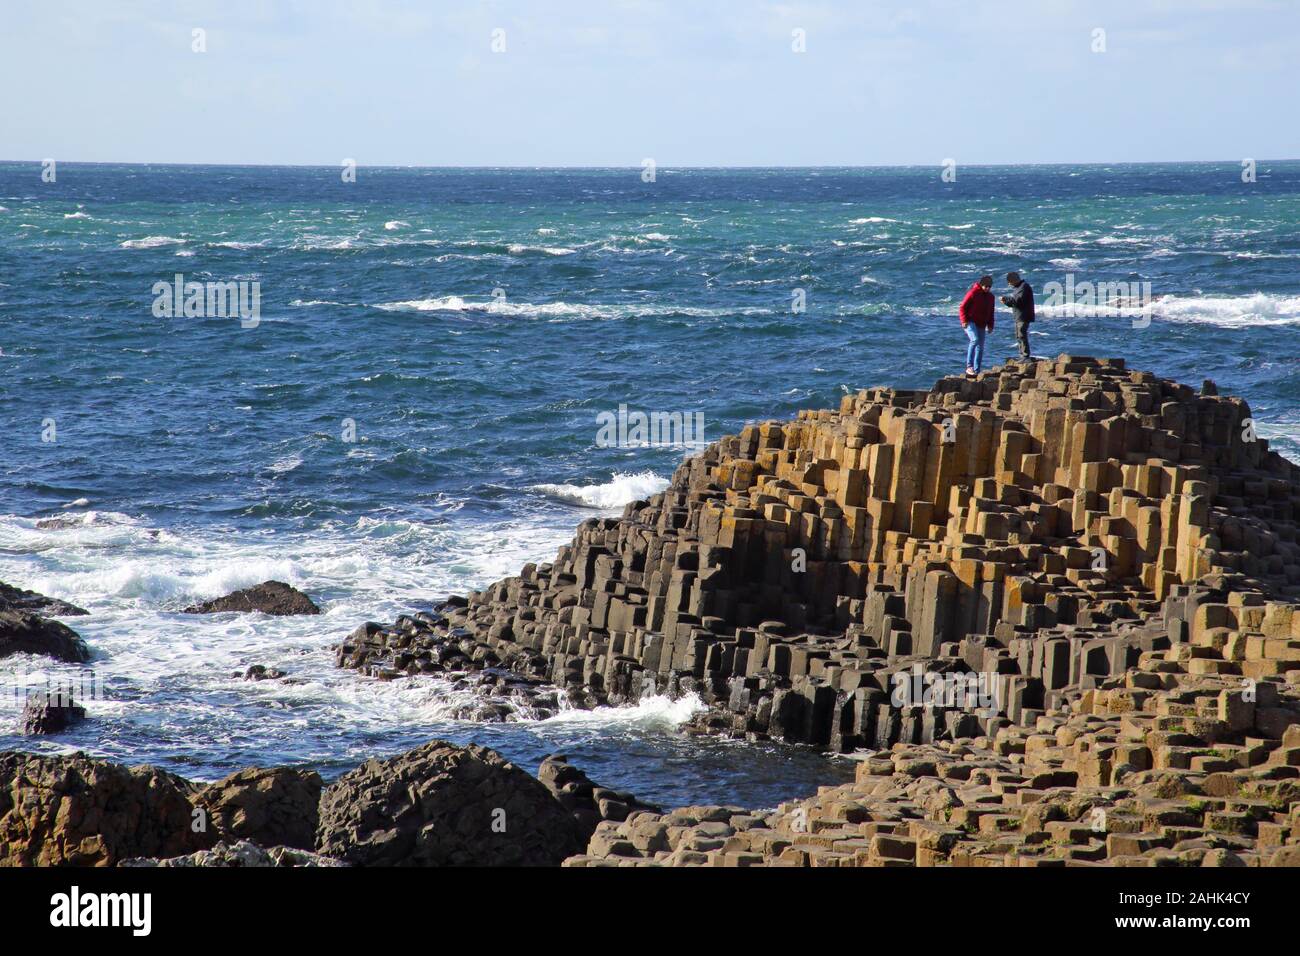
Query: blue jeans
x,y
975,350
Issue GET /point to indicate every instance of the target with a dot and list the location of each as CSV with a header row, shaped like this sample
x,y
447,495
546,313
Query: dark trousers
x,y
1022,338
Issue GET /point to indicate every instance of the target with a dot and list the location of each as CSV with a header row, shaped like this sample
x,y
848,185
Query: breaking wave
x,y
615,493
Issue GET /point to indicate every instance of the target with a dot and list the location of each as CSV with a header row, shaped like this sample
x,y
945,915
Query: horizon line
x,y
638,166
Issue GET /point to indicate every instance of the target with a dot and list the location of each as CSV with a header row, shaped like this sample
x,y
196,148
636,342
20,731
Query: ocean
x,y
415,410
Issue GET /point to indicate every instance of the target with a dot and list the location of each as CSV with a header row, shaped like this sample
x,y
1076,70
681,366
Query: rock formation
x,y
1060,586
74,811
50,714
26,632
1052,611
270,597
438,805
271,807
443,805
590,803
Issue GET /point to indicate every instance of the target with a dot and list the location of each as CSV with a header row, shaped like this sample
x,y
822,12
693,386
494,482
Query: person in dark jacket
x,y
976,314
1021,302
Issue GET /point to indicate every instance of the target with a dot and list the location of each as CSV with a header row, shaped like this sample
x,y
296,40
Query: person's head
x,y
1013,279
986,282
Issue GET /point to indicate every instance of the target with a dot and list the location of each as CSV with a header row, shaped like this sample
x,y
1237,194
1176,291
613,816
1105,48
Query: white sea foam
x,y
613,494
518,249
151,242
1245,311
76,215
395,224
650,713
1258,309
1066,263
454,303
870,219
238,244
134,579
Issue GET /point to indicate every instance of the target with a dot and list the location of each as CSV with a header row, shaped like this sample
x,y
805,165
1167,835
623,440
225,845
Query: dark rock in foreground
x,y
276,806
241,854
24,632
16,599
51,714
438,805
271,597
75,811
443,805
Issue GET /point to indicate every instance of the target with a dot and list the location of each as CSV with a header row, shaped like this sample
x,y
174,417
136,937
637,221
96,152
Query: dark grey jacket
x,y
1021,302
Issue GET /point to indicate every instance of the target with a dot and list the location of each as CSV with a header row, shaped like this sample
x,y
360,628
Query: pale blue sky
x,y
686,82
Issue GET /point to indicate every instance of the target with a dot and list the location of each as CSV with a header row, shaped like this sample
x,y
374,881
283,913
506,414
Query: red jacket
x,y
977,307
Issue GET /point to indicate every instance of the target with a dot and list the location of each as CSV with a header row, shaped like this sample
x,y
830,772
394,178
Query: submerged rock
x,y
241,854
17,599
75,811
444,805
270,597
25,632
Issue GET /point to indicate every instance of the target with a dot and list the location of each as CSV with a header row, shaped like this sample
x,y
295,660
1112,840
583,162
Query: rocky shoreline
x,y
438,805
1052,610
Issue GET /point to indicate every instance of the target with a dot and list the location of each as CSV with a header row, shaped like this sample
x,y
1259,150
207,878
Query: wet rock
x,y
16,599
24,632
51,714
241,854
75,811
270,597
276,806
482,712
444,805
260,672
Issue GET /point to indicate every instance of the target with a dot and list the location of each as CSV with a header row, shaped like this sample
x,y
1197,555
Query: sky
x,y
682,82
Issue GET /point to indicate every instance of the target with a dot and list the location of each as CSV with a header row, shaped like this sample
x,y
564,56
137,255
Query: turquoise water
x,y
467,327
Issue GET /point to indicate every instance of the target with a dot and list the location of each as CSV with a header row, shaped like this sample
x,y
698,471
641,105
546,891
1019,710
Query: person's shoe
x,y
970,371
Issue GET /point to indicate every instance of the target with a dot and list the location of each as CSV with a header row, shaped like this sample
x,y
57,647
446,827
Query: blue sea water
x,y
470,326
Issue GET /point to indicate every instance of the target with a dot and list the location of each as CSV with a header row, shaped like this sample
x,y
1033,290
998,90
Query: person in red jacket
x,y
976,315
